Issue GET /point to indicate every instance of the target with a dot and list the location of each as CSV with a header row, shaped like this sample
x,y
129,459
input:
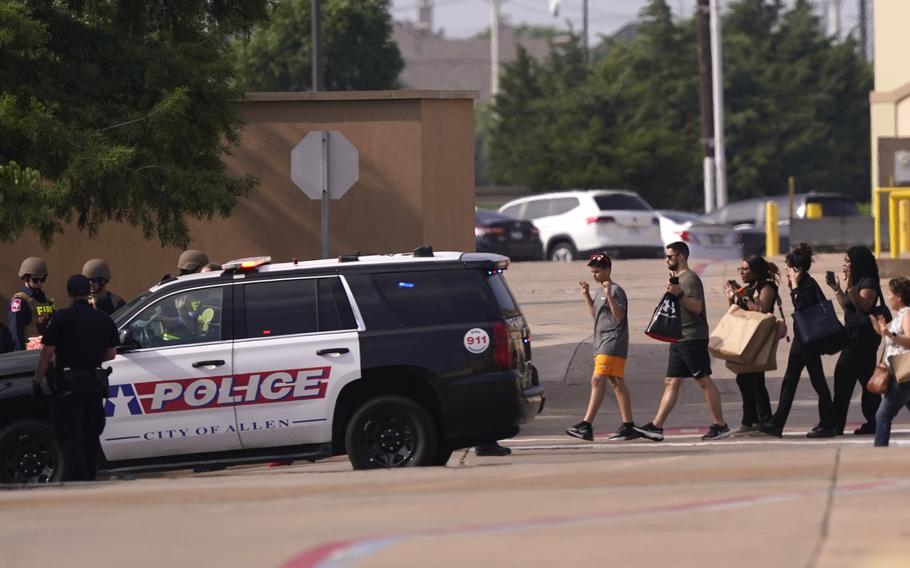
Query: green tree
x,y
117,110
358,51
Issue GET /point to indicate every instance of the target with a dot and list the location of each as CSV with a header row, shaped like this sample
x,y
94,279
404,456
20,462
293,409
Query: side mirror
x,y
127,342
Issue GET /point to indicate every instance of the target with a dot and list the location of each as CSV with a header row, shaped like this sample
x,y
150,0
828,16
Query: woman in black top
x,y
857,360
804,292
760,279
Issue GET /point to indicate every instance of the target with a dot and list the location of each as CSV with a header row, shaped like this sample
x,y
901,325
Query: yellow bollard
x,y
813,210
903,222
893,227
772,230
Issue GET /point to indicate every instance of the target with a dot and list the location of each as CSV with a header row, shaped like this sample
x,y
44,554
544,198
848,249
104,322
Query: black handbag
x,y
880,309
666,322
819,324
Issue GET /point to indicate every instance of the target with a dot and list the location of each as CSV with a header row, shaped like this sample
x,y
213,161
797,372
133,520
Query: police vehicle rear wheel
x,y
390,431
30,453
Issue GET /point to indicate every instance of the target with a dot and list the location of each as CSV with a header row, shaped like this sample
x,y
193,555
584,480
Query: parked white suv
x,y
574,224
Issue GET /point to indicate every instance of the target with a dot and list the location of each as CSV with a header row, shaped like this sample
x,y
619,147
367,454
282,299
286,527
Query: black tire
x,y
390,431
30,453
563,252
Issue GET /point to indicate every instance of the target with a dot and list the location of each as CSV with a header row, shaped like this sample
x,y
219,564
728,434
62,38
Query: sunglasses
x,y
42,280
742,269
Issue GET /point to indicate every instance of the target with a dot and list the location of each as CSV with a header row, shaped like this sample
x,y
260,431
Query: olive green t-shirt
x,y
694,326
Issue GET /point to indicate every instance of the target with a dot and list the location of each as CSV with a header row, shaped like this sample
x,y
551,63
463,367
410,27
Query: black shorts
x,y
689,359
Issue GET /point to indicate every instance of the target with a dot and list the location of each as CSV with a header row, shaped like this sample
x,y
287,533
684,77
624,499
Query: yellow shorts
x,y
609,365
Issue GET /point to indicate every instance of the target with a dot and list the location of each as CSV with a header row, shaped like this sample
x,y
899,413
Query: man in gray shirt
x,y
689,357
608,307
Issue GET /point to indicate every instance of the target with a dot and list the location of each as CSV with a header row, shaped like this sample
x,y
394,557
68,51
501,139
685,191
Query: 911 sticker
x,y
476,340
177,395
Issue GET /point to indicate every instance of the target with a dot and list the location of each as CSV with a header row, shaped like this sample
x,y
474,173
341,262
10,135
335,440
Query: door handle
x,y
212,363
335,351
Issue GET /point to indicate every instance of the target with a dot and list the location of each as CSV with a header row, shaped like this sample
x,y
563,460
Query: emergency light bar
x,y
248,263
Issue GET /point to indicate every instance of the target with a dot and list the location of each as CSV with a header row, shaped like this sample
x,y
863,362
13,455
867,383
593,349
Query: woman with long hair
x,y
758,294
897,342
805,292
857,360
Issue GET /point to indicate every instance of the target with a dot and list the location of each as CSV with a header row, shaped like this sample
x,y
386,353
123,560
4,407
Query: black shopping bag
x,y
818,323
666,322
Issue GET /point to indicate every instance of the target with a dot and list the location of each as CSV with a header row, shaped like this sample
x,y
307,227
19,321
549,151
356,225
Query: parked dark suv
x,y
396,360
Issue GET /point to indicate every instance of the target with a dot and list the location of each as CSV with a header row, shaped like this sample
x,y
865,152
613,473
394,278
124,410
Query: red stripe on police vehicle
x,y
253,388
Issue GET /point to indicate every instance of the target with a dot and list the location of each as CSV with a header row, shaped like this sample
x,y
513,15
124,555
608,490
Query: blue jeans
x,y
898,395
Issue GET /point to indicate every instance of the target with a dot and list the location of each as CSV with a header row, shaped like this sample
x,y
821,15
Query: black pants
x,y
800,359
856,363
756,402
79,421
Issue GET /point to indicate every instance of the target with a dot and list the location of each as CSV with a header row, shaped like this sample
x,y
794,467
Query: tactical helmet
x,y
33,266
96,268
192,260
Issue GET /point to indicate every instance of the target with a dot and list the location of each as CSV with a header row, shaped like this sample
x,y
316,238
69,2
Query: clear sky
x,y
463,18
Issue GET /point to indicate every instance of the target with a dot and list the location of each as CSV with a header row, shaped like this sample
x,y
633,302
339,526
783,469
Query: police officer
x,y
80,338
191,261
99,274
29,308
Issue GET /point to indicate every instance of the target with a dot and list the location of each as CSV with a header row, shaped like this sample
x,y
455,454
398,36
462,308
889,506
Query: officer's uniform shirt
x,y
20,314
108,302
81,335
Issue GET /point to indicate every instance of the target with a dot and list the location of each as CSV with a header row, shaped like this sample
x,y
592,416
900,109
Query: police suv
x,y
396,360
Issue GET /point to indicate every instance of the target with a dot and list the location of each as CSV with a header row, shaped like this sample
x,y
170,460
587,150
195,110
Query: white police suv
x,y
396,360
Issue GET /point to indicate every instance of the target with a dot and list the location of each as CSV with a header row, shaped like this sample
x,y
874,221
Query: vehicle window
x,y
436,297
538,208
334,309
681,217
119,315
189,317
513,210
563,205
503,295
835,207
281,307
622,202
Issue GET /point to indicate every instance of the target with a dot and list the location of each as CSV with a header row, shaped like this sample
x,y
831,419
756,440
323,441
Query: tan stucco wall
x,y
416,187
890,102
892,44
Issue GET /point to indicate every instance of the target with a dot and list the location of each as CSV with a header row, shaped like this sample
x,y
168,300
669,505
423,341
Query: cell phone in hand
x,y
733,284
829,278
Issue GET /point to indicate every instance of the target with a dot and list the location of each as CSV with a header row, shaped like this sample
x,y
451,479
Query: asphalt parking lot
x,y
555,501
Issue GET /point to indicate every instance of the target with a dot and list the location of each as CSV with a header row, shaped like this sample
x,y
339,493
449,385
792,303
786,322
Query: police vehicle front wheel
x,y
390,431
30,453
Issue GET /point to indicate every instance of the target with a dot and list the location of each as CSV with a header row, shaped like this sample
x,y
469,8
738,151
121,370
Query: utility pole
x,y
834,18
863,27
494,48
717,81
316,17
584,30
703,35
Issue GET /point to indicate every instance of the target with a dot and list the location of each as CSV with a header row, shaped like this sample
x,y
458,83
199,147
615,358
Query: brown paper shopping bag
x,y
740,334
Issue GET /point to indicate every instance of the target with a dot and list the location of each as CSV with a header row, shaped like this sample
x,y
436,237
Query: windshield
x,y
835,207
119,315
621,202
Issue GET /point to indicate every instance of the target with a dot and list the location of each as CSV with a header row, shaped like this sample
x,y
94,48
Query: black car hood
x,y
19,363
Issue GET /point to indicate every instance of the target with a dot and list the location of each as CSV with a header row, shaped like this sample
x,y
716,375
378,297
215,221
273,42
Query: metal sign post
x,y
324,165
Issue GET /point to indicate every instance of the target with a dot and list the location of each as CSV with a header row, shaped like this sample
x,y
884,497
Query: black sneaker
x,y
717,432
772,430
651,432
819,432
492,449
582,430
865,430
625,433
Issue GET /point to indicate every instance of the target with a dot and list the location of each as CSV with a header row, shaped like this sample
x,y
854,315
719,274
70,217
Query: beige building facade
x,y
890,101
416,186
